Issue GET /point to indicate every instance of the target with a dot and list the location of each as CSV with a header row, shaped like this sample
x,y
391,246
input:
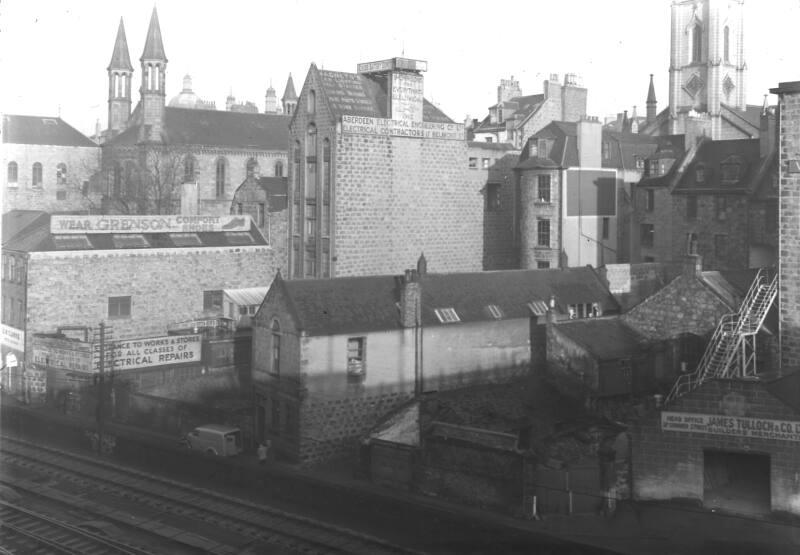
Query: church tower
x,y
707,67
271,101
154,72
289,98
120,72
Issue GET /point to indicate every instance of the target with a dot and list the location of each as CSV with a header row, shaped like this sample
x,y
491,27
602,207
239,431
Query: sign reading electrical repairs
x,y
738,426
153,351
147,224
402,128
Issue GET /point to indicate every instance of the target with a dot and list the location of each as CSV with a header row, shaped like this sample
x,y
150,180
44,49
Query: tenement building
x,y
139,274
378,174
150,150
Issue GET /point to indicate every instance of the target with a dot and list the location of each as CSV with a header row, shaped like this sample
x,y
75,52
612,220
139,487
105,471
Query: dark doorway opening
x,y
736,482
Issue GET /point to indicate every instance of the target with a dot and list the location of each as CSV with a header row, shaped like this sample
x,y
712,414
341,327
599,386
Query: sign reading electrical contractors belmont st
x,y
153,351
402,128
739,426
147,224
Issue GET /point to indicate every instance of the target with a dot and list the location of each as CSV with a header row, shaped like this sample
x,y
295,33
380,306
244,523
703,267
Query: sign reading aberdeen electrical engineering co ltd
x,y
739,426
147,224
153,351
402,128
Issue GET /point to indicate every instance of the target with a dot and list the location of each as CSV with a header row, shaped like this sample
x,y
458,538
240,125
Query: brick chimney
x,y
768,133
692,265
410,299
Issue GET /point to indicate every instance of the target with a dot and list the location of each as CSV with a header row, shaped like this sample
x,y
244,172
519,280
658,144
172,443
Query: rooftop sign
x,y
393,64
147,224
737,426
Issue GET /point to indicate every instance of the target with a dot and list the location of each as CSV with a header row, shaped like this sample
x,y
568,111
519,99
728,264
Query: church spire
x,y
154,46
289,97
651,102
120,59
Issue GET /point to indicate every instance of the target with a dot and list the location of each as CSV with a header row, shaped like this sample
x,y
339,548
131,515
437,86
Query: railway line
x,y
31,533
222,523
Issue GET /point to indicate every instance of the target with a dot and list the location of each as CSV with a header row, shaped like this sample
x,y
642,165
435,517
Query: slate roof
x,y
605,338
153,45
120,59
711,155
491,146
277,192
36,237
38,130
184,126
15,221
289,93
368,303
364,95
524,107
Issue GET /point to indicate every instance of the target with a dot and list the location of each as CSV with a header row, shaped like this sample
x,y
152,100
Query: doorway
x,y
736,482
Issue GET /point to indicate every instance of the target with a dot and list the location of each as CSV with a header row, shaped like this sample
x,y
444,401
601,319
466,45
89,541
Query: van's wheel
x,y
211,452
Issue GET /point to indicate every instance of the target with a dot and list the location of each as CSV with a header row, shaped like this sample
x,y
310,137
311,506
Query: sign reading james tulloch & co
x,y
739,426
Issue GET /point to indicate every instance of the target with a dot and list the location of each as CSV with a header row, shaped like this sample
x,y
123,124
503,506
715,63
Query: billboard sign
x,y
736,426
60,225
129,354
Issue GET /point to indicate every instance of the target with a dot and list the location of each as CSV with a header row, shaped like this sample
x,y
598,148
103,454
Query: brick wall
x,y
82,163
165,285
669,464
531,211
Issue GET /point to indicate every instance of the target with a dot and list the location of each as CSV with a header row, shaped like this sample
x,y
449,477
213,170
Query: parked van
x,y
214,439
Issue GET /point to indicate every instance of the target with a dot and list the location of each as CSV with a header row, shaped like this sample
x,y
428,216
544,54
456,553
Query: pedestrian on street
x,y
262,453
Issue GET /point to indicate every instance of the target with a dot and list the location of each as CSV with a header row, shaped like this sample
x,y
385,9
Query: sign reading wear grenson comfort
x,y
152,351
147,224
399,128
739,426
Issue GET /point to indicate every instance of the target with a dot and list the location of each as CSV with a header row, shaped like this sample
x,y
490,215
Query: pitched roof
x,y
605,338
36,237
356,94
37,130
712,155
749,117
368,303
184,126
15,221
153,45
651,92
289,92
119,57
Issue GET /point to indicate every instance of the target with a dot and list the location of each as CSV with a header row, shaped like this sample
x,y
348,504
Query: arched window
x,y
36,177
726,40
12,172
279,169
188,169
311,140
61,174
220,176
117,185
252,167
311,101
697,42
276,347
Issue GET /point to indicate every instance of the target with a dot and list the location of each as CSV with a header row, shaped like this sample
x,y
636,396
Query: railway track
x,y
31,533
254,523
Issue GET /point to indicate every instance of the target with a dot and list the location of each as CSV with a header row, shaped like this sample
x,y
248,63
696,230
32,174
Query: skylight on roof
x,y
185,239
447,315
129,241
239,237
71,242
494,311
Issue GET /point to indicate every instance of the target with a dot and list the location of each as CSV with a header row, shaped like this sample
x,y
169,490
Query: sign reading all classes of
x,y
738,426
147,224
152,351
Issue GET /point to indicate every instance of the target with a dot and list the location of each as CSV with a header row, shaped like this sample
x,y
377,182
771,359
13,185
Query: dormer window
x,y
542,150
447,315
731,169
494,311
653,168
639,163
700,174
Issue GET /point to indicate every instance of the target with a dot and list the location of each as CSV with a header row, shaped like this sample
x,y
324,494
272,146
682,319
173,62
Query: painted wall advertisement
x,y
12,338
738,426
403,128
147,224
152,351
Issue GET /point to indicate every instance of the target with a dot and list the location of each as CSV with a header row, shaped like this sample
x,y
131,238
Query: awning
x,y
248,296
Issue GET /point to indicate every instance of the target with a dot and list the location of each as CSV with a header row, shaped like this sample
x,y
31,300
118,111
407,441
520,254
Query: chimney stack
x,y
410,300
692,265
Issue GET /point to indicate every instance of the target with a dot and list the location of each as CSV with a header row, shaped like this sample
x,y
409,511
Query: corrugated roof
x,y
217,128
247,296
368,303
605,338
38,130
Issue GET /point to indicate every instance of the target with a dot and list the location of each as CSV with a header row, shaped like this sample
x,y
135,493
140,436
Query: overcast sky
x,y
54,54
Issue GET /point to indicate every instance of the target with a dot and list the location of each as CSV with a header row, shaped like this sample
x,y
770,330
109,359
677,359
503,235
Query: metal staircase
x,y
731,353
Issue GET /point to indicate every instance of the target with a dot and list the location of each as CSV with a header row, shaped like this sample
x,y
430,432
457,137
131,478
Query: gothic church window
x,y
311,102
36,177
276,347
311,140
697,42
278,169
220,181
252,167
12,172
188,169
726,43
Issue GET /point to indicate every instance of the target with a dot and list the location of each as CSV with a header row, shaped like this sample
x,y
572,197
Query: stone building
x,y
264,200
378,174
515,116
574,182
707,79
150,151
333,356
139,274
49,165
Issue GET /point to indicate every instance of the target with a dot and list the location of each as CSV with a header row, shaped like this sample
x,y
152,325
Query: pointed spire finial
x,y
154,45
120,59
651,92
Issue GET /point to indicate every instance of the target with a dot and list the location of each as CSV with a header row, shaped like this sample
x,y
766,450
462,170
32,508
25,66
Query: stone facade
x,y
73,192
659,248
533,210
670,464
